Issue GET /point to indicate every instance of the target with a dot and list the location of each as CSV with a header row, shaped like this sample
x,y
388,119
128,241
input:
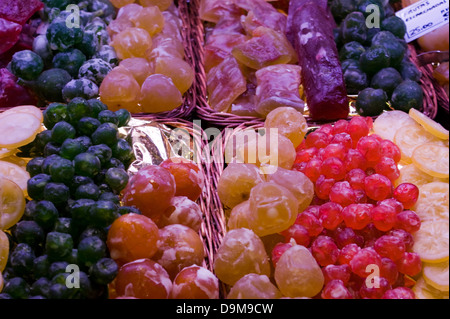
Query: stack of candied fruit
x,y
160,252
152,75
326,222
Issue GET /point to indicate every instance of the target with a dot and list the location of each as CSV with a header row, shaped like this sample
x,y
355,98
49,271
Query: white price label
x,y
423,17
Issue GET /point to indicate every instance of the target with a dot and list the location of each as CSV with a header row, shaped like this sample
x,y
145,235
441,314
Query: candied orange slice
x,y
31,109
433,202
15,173
433,159
4,251
388,123
431,241
411,174
436,275
5,152
409,137
12,203
423,290
429,125
18,129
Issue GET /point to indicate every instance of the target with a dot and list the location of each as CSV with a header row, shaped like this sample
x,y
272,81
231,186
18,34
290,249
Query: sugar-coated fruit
x,y
195,282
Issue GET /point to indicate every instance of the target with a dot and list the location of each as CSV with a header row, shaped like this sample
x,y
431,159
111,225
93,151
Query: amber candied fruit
x,y
239,216
150,19
163,5
195,282
289,122
242,252
178,247
273,209
132,237
297,273
236,182
177,69
254,286
139,68
143,279
151,190
132,43
159,94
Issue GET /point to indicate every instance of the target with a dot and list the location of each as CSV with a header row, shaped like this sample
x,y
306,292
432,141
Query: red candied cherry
x,y
345,236
327,129
323,187
340,272
395,204
311,223
347,253
302,146
278,251
358,128
389,270
384,217
317,139
364,261
313,209
298,233
305,155
388,167
343,139
378,187
390,246
357,216
334,168
370,148
390,149
356,178
336,289
325,251
361,197
410,264
342,194
299,167
312,169
330,215
399,293
407,194
340,126
334,150
376,290
409,221
369,122
354,159
405,236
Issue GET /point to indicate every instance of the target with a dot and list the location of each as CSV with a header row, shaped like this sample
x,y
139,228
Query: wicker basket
x,y
435,95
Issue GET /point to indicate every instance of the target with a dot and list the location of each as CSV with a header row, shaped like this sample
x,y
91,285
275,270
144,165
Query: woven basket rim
x,y
434,94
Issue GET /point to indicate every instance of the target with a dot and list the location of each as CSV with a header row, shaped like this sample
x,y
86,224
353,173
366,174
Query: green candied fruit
x,y
29,232
341,8
387,80
103,213
122,151
407,95
52,148
108,116
89,44
392,44
62,131
90,250
355,80
80,211
104,271
350,63
55,113
351,50
116,179
62,171
87,191
96,106
78,108
48,161
395,25
41,287
409,71
36,185
63,225
95,70
58,245
87,164
45,214
107,133
42,48
87,125
57,193
61,37
70,60
50,84
363,4
59,4
17,288
34,166
97,24
374,59
83,88
102,151
371,102
21,259
353,28
71,148
124,117
27,65
40,266
107,54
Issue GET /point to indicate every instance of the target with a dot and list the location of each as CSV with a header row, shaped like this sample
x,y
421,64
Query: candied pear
x,y
159,94
178,70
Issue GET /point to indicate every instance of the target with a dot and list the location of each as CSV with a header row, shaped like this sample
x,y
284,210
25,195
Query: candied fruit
x,y
132,43
132,237
159,94
139,68
254,286
150,19
297,273
195,282
143,279
182,211
289,122
177,69
241,253
178,247
163,5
